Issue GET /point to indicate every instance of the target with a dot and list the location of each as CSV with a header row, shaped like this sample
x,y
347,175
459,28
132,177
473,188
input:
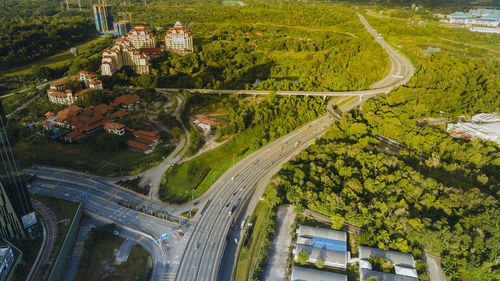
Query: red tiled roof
x,y
45,122
115,126
125,100
137,145
49,114
95,82
79,93
150,51
58,83
178,27
119,114
58,94
102,108
76,135
206,121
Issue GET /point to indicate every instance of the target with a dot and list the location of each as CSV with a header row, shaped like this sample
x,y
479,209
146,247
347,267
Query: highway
x,y
197,256
201,259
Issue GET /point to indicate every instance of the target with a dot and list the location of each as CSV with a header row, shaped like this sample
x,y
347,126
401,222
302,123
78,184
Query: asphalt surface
x,y
166,254
86,223
201,259
280,246
197,256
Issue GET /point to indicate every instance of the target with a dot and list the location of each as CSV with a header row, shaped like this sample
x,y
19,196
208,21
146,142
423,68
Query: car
x,y
236,241
116,232
197,246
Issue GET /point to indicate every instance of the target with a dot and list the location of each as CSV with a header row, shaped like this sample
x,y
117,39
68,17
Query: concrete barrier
x,y
67,247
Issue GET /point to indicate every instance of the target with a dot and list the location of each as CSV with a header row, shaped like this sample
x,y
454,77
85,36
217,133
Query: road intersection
x,y
198,254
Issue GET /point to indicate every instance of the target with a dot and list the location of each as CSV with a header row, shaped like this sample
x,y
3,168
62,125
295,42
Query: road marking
x,y
140,238
48,185
107,200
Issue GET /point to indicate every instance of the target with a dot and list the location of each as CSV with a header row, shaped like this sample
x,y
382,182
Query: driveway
x,y
434,268
278,253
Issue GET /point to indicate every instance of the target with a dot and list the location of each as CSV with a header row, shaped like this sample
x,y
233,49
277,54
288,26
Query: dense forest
x,y
430,192
26,39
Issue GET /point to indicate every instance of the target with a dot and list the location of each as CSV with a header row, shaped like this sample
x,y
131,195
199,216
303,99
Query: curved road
x,y
201,258
204,242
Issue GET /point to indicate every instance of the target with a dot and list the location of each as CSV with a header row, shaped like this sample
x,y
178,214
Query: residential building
x,y
204,124
103,18
329,245
114,128
302,274
134,50
483,125
17,216
179,39
126,101
404,265
141,37
83,122
57,94
145,141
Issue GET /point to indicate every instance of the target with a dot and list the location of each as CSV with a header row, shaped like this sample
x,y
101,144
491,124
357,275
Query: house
x,y
145,141
204,124
49,114
118,115
114,128
302,273
125,101
404,265
329,245
46,124
82,121
139,146
57,94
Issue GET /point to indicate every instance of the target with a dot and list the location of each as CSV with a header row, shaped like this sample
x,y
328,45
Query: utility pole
x,y
67,5
79,5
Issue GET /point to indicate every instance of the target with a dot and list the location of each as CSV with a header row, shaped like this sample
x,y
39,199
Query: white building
x,y
141,37
329,245
57,94
135,50
404,265
179,39
484,125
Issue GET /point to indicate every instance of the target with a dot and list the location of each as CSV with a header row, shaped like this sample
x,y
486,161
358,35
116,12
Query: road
x,y
154,175
167,253
197,256
201,258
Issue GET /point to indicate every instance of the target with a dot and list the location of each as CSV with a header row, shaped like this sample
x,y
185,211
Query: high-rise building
x,y
179,39
16,212
103,18
122,28
134,50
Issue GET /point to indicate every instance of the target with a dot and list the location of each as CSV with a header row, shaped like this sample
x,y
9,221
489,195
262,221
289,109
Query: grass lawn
x,y
200,173
99,256
252,242
84,156
54,61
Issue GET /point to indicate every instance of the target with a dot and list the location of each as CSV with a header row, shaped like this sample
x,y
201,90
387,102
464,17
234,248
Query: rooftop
x,y
306,274
382,276
309,231
396,258
331,257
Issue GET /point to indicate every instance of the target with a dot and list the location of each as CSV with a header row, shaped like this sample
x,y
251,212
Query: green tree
x,y
303,258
